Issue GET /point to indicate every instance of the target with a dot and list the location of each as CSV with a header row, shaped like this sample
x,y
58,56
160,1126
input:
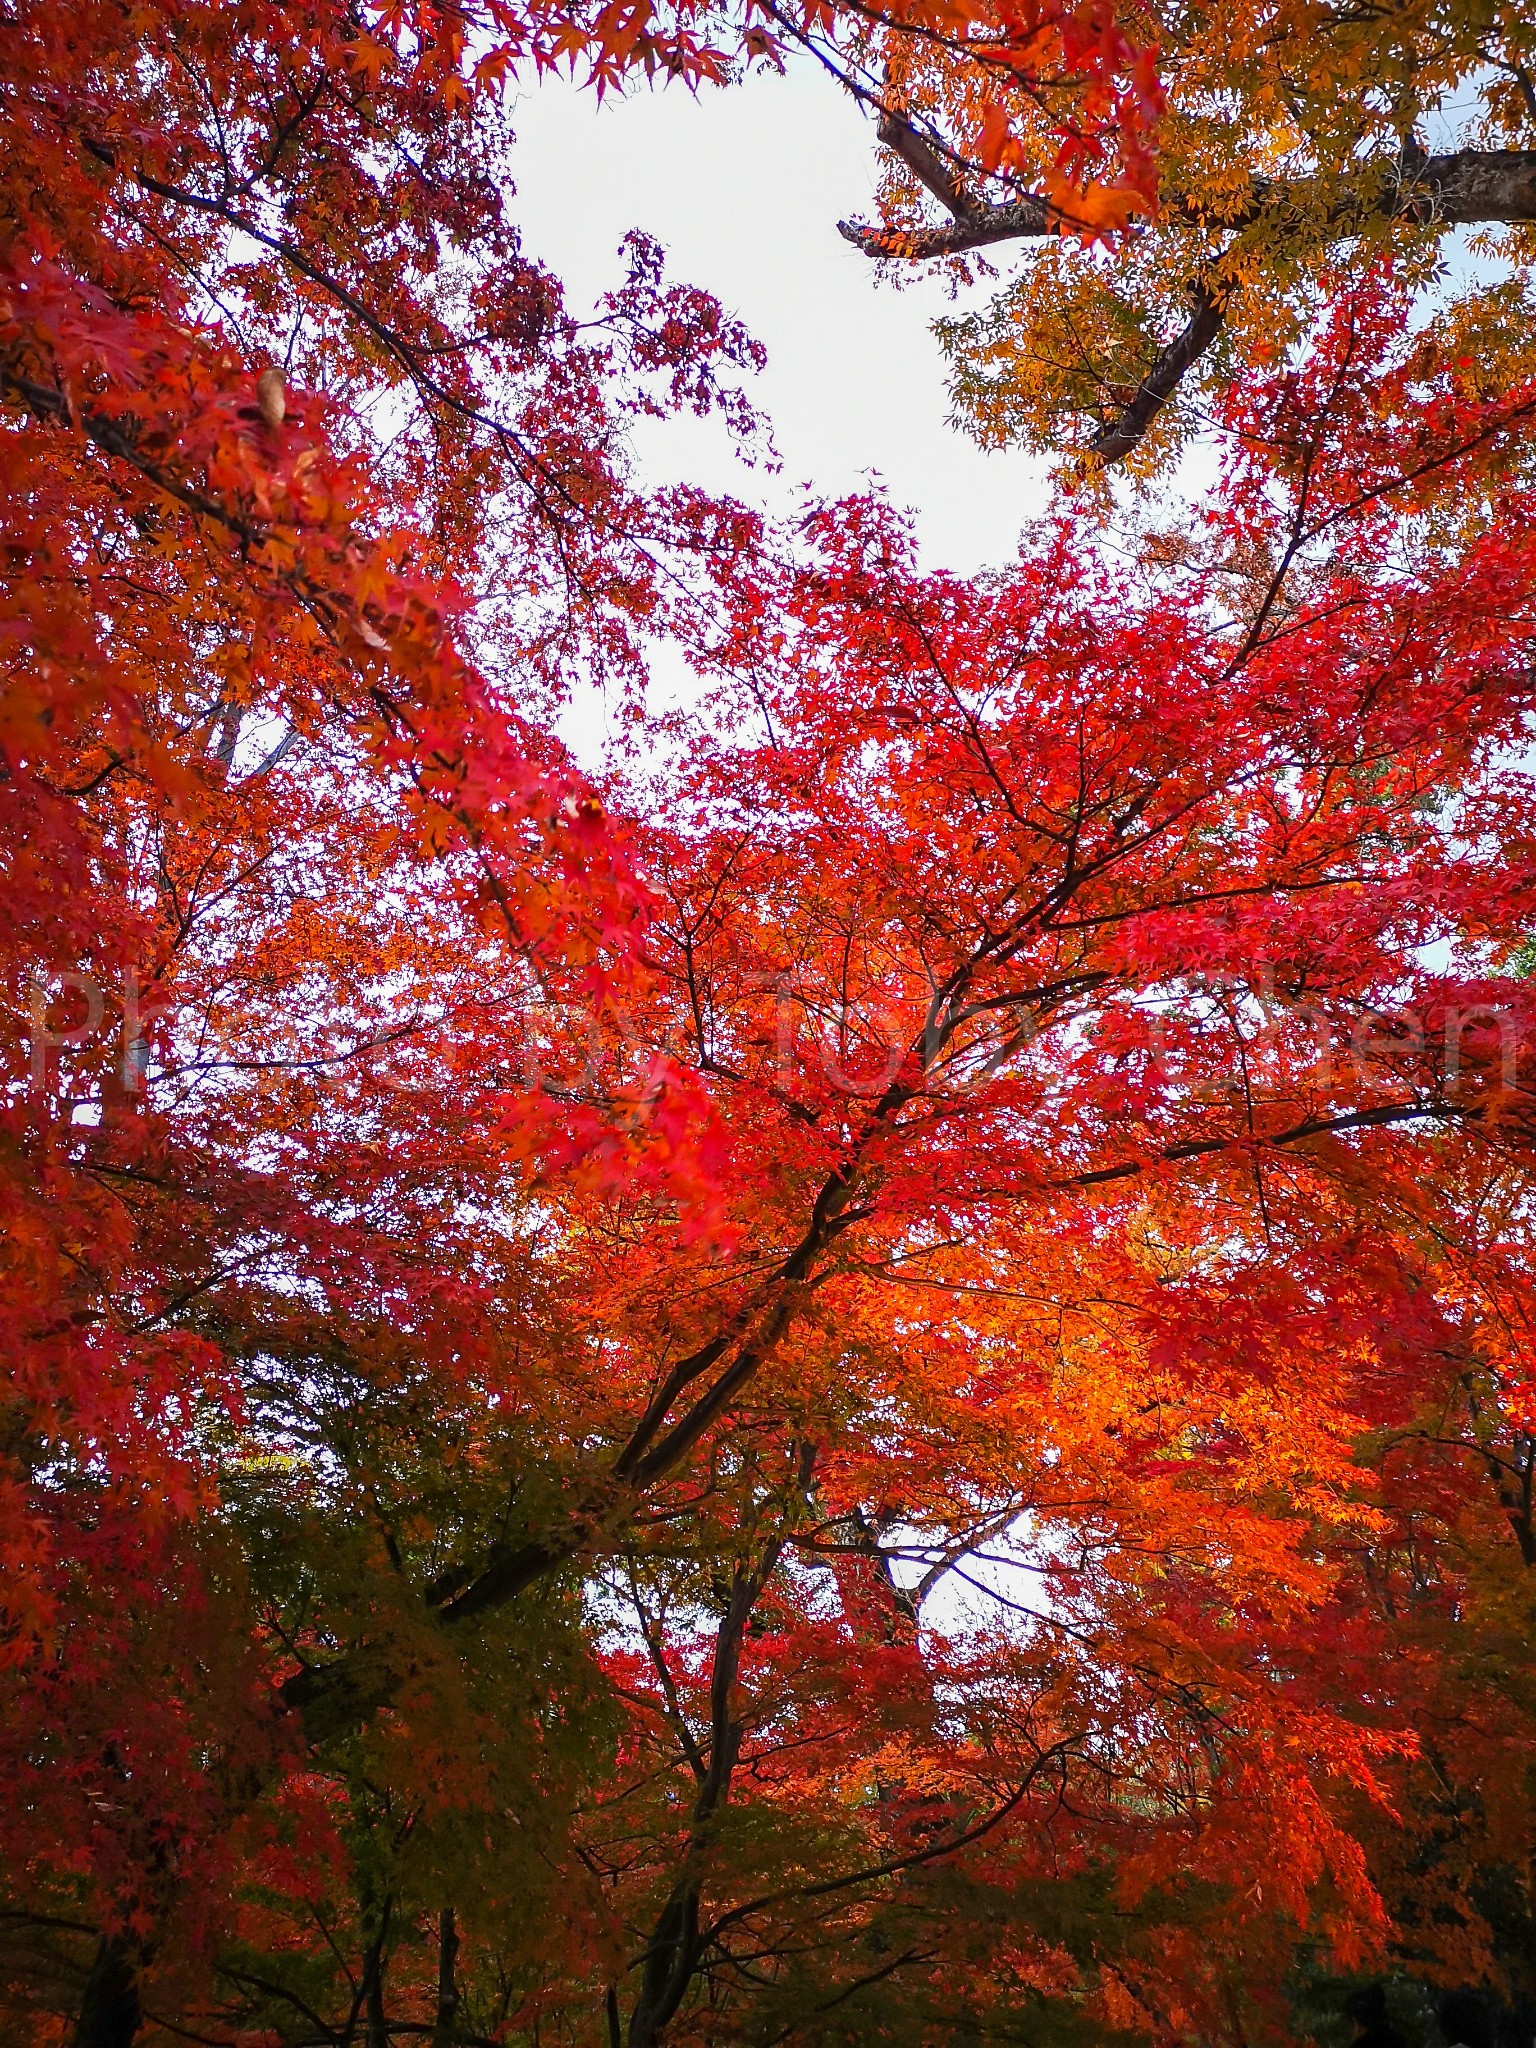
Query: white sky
x,y
744,188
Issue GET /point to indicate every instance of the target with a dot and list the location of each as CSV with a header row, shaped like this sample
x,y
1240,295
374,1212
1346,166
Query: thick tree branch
x,y
974,223
1314,1127
1514,1488
927,166
1117,437
1459,188
1466,187
110,2010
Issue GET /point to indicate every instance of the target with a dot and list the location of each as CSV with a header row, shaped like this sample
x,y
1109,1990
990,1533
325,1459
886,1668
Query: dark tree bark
x,y
1120,435
110,2010
375,2023
447,1981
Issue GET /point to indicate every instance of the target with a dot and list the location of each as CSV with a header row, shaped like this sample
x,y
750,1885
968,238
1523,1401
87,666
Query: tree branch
x,y
926,165
1117,437
1460,188
974,223
1314,1127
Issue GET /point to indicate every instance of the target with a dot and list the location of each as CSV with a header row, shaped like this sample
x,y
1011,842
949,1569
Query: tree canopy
x,y
867,1377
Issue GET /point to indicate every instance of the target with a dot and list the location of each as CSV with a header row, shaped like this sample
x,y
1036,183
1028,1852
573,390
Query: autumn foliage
x,y
869,1378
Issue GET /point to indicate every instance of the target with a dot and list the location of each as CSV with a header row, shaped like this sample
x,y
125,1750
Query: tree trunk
x,y
375,2025
110,2010
447,1983
669,1967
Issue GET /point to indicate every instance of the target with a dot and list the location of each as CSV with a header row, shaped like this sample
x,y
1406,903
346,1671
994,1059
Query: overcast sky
x,y
745,187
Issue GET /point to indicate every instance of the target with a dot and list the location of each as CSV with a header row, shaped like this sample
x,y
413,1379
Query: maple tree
x,y
533,1302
